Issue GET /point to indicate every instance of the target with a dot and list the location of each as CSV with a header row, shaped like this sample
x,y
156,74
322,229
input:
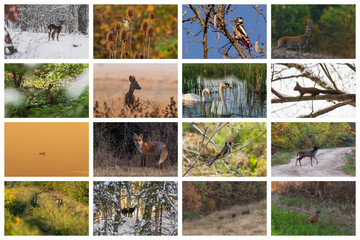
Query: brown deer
x,y
55,30
50,98
129,97
298,41
310,154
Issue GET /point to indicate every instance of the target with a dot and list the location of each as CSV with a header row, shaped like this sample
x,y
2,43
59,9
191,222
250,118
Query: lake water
x,y
241,101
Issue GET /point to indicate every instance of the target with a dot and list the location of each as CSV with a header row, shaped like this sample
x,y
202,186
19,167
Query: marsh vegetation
x,y
245,98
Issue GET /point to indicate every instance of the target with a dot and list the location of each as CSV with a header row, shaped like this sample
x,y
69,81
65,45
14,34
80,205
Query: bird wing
x,y
242,31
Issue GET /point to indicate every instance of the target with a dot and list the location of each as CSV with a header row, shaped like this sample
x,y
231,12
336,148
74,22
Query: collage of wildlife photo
x,y
179,119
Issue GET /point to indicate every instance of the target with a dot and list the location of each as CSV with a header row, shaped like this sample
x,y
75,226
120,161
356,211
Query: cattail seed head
x,y
137,55
130,12
152,16
123,55
117,26
150,32
110,36
144,26
123,35
110,46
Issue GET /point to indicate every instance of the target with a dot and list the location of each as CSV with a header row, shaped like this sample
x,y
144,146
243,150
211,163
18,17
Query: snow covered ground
x,y
37,46
127,228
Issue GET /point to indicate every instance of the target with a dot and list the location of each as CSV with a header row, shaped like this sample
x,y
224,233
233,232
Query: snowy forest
x,y
28,26
135,208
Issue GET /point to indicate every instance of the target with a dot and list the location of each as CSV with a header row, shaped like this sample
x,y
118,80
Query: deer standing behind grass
x,y
298,41
55,30
129,97
50,98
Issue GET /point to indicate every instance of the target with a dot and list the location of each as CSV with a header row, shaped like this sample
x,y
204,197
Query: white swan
x,y
194,97
221,108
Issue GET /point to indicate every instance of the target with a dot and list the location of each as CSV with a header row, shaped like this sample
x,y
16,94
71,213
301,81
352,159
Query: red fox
x,y
160,149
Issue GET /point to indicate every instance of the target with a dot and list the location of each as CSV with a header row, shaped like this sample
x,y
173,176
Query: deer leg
x,y
311,161
316,160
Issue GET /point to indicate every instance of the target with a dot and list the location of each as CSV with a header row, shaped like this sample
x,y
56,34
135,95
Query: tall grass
x,y
30,211
254,74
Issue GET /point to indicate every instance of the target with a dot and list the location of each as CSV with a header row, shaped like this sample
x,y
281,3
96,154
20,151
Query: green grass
x,y
282,157
289,222
350,166
29,211
288,216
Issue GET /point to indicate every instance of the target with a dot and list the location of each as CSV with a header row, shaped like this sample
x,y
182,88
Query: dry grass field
x,y
111,166
157,97
222,222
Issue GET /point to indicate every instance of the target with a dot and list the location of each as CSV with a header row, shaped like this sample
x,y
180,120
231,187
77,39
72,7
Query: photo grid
x,y
178,119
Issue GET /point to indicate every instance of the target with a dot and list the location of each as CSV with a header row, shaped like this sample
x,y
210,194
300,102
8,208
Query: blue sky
x,y
253,22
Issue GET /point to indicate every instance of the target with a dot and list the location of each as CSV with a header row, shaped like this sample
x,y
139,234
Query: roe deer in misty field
x,y
310,154
298,41
129,97
55,30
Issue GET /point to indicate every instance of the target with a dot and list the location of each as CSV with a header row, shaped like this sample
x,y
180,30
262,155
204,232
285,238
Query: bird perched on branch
x,y
314,218
225,151
240,32
127,24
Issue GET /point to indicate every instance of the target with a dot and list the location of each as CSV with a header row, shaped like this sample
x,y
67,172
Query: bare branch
x,y
326,110
330,97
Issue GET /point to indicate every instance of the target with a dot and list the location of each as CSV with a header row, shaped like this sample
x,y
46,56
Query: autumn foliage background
x,y
287,136
163,45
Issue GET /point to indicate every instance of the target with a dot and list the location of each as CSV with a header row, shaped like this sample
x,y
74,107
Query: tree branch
x,y
337,97
326,110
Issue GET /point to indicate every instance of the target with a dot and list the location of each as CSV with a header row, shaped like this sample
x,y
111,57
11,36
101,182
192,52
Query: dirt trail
x,y
330,163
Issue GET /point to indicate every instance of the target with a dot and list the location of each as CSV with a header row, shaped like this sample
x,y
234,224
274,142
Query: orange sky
x,y
66,147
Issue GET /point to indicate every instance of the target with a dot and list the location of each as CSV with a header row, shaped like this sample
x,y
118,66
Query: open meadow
x,y
224,208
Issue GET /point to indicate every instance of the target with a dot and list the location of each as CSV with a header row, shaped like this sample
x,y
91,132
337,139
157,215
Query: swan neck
x,y
221,95
203,95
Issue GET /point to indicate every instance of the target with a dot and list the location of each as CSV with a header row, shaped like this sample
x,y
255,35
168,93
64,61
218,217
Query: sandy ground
x,y
330,163
37,46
